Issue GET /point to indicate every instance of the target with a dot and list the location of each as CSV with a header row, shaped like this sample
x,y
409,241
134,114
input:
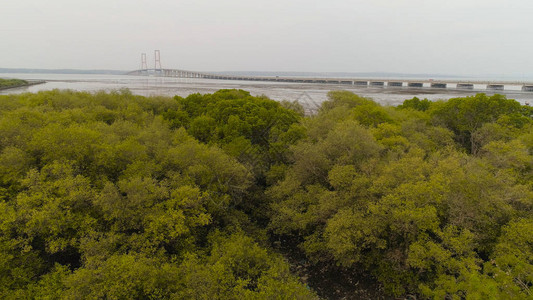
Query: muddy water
x,y
310,94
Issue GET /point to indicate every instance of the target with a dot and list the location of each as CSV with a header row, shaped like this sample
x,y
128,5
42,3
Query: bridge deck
x,y
374,82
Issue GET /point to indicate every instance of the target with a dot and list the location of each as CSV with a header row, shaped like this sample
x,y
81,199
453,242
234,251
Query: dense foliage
x,y
116,196
7,83
100,197
434,200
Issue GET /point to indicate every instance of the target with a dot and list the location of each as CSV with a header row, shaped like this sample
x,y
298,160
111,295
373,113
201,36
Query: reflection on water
x,y
149,86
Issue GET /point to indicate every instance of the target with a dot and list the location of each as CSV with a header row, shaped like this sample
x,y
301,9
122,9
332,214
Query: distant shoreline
x,y
60,71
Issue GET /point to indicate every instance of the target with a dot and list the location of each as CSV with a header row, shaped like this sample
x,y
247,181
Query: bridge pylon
x,y
157,61
144,65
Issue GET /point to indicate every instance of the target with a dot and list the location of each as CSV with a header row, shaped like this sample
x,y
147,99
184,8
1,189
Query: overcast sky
x,y
463,37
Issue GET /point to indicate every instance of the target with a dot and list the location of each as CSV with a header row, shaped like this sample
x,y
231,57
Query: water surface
x,y
307,93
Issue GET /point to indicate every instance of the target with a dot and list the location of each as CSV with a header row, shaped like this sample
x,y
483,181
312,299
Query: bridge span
x,y
359,82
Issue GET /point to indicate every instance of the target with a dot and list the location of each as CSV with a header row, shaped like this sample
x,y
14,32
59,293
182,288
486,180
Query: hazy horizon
x,y
459,38
522,77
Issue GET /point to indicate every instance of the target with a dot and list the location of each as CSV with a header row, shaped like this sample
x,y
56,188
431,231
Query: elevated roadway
x,y
361,82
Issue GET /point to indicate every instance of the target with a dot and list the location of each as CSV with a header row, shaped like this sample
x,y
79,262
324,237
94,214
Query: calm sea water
x,y
309,94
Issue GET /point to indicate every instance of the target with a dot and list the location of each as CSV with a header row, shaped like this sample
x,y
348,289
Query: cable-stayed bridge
x,y
358,82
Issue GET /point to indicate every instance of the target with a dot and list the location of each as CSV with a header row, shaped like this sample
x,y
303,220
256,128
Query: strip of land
x,y
16,83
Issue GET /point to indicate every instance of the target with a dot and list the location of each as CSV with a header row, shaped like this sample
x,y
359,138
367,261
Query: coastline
x,y
30,83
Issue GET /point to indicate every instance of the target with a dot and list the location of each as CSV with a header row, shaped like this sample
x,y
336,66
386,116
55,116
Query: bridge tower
x,y
157,62
144,65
